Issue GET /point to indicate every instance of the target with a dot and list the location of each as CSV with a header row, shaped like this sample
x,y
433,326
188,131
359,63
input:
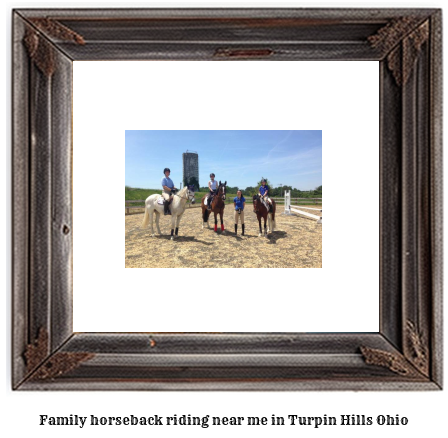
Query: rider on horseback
x,y
213,187
264,191
168,190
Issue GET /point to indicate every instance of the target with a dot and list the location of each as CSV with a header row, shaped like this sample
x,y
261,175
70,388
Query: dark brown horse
x,y
262,212
217,207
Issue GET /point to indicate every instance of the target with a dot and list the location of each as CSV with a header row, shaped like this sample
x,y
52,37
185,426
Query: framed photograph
x,y
183,342
218,187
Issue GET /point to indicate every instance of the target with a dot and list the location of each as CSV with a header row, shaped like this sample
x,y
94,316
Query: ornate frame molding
x,y
406,354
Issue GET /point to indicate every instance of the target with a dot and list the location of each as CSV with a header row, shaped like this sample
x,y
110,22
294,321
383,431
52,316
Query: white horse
x,y
177,208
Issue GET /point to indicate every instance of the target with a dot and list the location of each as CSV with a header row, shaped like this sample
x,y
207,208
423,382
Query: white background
x,y
111,97
426,411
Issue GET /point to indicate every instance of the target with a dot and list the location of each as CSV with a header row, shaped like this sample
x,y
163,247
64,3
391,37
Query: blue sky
x,y
239,157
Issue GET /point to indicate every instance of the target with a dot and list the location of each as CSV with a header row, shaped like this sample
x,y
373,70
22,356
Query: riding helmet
x,y
166,169
212,174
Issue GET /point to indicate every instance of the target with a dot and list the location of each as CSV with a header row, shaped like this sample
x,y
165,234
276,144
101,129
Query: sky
x,y
241,158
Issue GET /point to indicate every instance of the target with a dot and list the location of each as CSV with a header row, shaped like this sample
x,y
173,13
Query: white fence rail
x,y
314,200
295,209
306,208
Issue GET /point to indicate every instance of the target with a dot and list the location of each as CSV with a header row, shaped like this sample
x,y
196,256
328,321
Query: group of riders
x,y
239,201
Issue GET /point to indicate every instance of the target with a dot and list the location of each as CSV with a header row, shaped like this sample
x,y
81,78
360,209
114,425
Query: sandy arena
x,y
295,243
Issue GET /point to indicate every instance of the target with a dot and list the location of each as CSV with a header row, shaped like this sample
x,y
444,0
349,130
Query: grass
x,y
132,194
137,194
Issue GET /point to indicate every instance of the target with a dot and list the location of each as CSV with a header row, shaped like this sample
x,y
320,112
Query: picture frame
x,y
406,353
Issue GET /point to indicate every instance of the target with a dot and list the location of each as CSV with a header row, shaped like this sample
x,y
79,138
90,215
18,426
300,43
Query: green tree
x,y
250,191
276,192
230,189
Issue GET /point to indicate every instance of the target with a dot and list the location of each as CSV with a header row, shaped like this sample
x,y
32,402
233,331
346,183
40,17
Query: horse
x,y
262,212
217,207
177,208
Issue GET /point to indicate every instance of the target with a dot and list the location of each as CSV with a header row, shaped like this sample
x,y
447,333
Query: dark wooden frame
x,y
406,354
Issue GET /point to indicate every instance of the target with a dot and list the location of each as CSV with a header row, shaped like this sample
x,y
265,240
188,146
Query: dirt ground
x,y
295,243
